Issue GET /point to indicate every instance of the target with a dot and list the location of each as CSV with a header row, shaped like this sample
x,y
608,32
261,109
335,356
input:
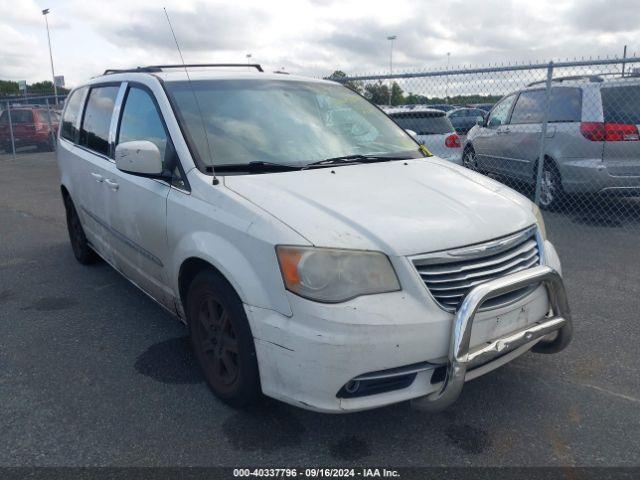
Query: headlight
x,y
539,220
330,275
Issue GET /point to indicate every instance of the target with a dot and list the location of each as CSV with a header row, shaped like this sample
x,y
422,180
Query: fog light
x,y
352,386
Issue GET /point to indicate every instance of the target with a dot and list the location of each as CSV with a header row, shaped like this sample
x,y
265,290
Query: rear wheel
x,y
222,340
551,192
81,248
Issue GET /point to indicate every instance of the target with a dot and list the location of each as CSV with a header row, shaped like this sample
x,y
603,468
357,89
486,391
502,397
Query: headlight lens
x,y
331,275
540,221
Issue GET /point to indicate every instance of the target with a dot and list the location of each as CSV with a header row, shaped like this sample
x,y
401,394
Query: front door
x,y
138,212
491,142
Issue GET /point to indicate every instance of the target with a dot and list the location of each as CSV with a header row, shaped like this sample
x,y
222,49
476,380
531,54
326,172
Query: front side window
x,y
94,133
235,122
141,121
500,112
565,106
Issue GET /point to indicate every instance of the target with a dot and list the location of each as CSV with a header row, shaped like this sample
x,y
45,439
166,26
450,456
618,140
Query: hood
x,y
401,208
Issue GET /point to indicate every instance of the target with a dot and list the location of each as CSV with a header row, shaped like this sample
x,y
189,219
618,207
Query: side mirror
x,y
480,121
413,134
140,157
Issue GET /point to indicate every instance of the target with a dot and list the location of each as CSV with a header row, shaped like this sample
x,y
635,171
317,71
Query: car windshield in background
x,y
424,123
621,104
282,122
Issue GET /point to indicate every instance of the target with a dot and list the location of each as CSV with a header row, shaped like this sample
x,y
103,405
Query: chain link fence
x,y
29,124
580,117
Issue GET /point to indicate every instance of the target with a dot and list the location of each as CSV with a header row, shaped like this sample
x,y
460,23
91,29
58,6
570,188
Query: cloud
x,y
201,29
311,37
603,16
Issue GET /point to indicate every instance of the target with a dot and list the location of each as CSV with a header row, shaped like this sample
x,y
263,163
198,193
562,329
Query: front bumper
x,y
306,359
462,357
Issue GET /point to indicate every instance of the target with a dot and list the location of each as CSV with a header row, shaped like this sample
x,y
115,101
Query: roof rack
x,y
591,78
160,68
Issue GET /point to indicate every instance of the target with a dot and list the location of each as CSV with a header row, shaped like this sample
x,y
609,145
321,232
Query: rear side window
x,y
621,104
424,123
18,117
565,106
71,114
94,133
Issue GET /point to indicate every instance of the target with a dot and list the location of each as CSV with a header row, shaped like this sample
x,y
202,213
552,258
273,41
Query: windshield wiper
x,y
358,158
255,167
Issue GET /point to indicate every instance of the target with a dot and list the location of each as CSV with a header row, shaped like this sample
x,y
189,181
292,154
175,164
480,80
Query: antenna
x,y
195,99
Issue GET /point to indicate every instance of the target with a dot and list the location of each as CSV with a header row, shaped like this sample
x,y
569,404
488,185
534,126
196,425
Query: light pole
x,y
248,55
53,75
391,38
446,93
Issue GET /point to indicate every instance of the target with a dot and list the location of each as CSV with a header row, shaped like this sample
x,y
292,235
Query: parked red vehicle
x,y
31,128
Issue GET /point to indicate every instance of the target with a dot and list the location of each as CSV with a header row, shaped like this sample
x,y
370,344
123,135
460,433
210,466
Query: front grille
x,y
450,275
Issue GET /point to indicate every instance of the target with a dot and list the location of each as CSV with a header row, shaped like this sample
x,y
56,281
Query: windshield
x,y
425,123
282,122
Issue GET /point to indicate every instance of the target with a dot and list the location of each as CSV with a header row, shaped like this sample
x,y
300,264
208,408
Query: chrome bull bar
x,y
461,358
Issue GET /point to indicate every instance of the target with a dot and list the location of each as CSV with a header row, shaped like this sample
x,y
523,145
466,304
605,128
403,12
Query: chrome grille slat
x,y
449,278
468,285
531,259
480,263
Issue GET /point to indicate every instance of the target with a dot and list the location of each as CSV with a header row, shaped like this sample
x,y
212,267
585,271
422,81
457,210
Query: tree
x,y
397,97
340,76
378,93
10,88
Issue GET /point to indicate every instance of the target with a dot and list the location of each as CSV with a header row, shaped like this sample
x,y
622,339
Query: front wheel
x,y
469,159
221,339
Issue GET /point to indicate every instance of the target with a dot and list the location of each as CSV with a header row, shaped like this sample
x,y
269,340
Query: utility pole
x,y
391,39
53,74
446,93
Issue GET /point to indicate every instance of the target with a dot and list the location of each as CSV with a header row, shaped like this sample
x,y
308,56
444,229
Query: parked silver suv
x,y
592,142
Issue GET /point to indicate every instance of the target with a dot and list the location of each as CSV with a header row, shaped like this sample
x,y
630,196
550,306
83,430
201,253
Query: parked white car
x,y
315,252
432,128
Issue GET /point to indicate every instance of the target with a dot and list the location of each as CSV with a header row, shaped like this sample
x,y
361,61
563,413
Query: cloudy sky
x,y
311,37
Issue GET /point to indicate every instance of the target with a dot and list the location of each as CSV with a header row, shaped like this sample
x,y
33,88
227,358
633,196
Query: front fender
x,y
256,280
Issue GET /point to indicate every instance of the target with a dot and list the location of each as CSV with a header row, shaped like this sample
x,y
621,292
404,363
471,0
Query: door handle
x,y
112,185
504,131
97,177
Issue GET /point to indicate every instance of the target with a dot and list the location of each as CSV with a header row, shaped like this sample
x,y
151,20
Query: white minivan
x,y
317,253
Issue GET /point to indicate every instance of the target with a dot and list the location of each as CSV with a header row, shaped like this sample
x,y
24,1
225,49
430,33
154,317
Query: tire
x,y
222,341
551,191
469,159
79,244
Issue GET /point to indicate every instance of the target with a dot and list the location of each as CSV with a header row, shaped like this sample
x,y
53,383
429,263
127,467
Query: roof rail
x,y
159,68
591,78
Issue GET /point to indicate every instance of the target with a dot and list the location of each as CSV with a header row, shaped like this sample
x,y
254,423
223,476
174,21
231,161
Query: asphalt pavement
x,y
94,373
